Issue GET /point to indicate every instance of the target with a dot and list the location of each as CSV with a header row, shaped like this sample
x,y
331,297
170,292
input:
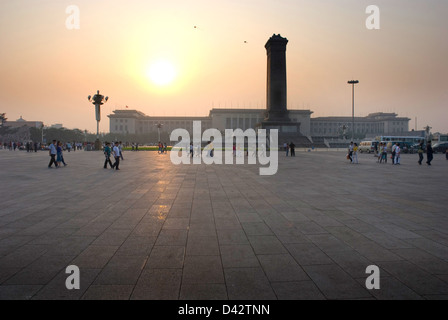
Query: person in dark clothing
x,y
429,153
107,152
292,148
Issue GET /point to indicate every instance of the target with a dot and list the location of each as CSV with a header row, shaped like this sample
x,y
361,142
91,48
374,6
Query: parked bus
x,y
408,143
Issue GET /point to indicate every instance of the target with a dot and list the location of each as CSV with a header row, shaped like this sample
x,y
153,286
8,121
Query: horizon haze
x,y
184,58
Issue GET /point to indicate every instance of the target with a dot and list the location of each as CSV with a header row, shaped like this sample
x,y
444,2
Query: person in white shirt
x,y
117,155
350,152
53,152
397,154
120,146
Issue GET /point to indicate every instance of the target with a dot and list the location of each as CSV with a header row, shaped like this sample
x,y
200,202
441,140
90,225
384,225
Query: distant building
x,y
22,122
136,122
375,124
57,126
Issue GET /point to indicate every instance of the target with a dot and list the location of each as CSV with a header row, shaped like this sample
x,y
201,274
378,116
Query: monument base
x,y
287,132
282,126
97,145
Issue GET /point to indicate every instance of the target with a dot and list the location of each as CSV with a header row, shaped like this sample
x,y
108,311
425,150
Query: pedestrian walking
x,y
117,156
60,157
292,146
53,152
420,153
107,153
355,154
429,153
384,153
350,152
394,147
397,154
120,146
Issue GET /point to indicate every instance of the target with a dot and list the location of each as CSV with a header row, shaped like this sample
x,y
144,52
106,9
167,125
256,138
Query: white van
x,y
367,146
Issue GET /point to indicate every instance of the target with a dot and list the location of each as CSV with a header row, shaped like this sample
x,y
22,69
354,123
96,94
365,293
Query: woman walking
x,y
420,153
60,157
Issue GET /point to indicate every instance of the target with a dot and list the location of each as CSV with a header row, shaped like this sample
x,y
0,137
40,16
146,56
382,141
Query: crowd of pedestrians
x,y
395,153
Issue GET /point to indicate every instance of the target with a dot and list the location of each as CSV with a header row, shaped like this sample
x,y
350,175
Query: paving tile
x,y
222,232
18,292
108,292
121,270
308,254
238,256
166,257
202,246
266,245
203,291
95,257
56,289
392,289
297,290
232,236
172,237
424,260
40,271
158,284
202,269
281,267
334,283
248,284
415,278
256,229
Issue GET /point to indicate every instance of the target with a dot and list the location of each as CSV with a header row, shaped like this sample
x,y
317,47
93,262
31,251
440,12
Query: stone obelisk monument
x,y
277,113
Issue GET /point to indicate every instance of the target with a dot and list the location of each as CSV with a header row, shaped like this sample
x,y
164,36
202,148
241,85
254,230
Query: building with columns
x,y
136,122
375,124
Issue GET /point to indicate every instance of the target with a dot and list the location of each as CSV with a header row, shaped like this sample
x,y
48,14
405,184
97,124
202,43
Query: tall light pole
x,y
97,101
159,126
353,82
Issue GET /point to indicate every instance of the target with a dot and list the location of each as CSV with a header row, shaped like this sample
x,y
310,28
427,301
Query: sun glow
x,y
162,73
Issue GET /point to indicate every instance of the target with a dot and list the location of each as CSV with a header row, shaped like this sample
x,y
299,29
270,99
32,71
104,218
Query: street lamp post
x,y
97,101
353,82
159,126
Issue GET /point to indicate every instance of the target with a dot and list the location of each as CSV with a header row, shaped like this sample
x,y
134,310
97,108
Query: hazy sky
x,y
47,71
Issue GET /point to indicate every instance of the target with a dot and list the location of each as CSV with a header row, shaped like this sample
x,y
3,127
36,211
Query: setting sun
x,y
162,72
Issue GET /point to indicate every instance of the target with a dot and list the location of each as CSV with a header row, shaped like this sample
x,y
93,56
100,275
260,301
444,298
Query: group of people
x,y
290,147
162,148
395,153
56,156
116,151
429,153
353,153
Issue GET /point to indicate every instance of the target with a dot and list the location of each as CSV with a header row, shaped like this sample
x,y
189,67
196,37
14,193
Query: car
x,y
440,147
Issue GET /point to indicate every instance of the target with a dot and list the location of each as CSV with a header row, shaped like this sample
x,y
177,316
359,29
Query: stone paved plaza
x,y
158,231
